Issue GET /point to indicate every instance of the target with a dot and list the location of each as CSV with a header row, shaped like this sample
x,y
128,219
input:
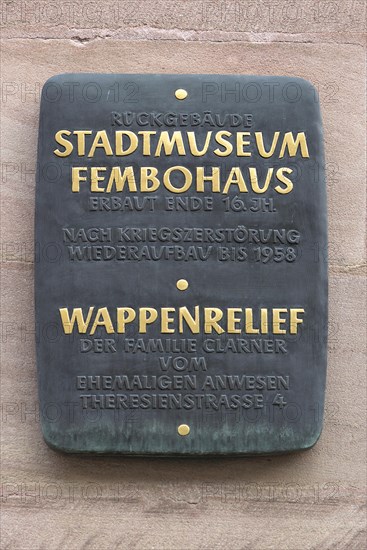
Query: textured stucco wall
x,y
308,500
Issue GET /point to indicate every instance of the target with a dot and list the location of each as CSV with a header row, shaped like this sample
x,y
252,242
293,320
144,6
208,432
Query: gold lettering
x,y
95,178
192,323
235,178
278,320
166,320
64,142
146,140
211,317
124,315
119,179
81,140
260,144
193,146
167,182
101,141
76,178
168,142
102,319
264,321
201,178
148,173
283,179
147,316
233,320
120,152
293,144
255,183
250,322
77,315
228,147
294,320
241,143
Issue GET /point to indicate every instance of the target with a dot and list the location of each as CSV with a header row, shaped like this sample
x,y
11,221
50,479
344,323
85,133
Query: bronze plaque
x,y
181,275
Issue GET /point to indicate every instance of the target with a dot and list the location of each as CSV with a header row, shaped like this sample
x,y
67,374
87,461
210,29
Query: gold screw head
x,y
183,429
181,93
182,284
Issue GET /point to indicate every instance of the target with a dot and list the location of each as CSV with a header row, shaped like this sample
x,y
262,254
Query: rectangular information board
x,y
181,277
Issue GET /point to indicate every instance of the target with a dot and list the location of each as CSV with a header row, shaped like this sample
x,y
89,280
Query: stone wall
x,y
307,500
